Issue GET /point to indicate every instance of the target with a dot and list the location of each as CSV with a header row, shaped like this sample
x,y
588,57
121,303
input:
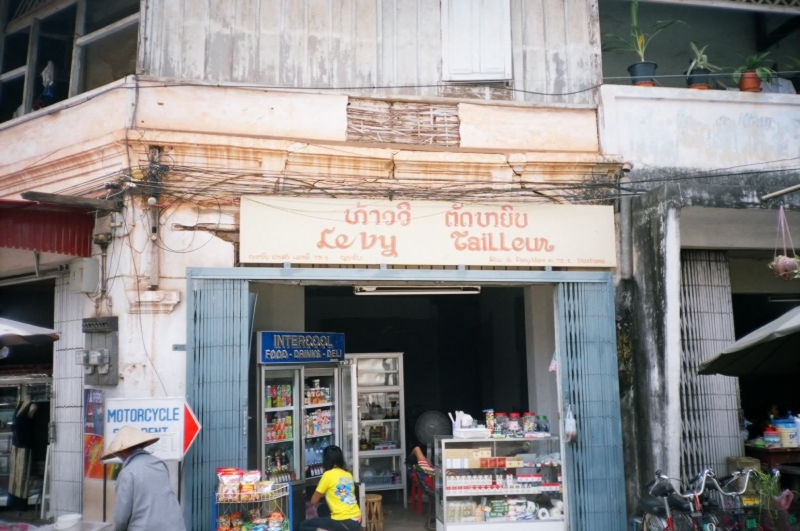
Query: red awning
x,y
46,228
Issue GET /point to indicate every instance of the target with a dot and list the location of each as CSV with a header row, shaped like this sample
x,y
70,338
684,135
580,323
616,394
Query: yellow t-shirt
x,y
340,493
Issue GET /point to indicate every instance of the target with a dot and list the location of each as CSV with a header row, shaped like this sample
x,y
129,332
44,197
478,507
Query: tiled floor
x,y
397,518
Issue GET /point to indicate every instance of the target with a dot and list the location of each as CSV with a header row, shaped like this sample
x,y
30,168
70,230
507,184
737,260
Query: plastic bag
x,y
311,511
570,426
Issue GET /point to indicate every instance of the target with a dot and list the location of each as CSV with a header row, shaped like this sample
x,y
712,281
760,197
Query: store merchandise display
x,y
319,423
278,465
317,395
378,439
500,480
242,486
246,502
527,425
277,396
280,429
252,521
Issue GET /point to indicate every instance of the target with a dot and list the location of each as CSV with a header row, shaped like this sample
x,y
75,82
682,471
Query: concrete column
x,y
672,344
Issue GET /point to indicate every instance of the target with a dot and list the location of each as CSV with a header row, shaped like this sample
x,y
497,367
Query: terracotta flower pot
x,y
749,82
642,74
698,79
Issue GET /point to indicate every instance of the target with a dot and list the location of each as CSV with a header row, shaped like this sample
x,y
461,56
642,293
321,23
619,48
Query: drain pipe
x,y
625,236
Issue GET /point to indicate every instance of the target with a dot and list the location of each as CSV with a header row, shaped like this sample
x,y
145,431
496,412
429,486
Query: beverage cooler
x,y
301,382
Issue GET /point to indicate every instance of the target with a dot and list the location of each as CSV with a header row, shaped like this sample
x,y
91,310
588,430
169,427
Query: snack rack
x,y
278,500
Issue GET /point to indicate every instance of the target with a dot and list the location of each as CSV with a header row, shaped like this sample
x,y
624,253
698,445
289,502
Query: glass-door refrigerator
x,y
380,422
301,411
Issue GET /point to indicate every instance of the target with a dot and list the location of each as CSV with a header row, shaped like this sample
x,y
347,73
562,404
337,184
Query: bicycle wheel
x,y
654,523
683,522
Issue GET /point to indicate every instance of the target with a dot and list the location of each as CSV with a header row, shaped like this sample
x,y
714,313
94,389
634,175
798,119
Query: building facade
x,y
167,113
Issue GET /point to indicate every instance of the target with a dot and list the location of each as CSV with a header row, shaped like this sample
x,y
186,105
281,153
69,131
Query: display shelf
x,y
372,488
466,497
278,442
278,409
319,435
498,492
380,453
557,524
379,389
374,422
312,406
373,371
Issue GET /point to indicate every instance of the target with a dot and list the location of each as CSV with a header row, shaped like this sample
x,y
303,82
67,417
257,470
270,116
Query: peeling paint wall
x,y
365,43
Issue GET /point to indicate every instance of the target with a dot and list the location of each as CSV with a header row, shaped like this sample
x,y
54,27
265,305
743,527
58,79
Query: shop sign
x,y
310,230
169,419
300,347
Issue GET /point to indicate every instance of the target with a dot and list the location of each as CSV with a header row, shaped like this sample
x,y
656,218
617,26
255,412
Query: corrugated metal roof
x,y
45,228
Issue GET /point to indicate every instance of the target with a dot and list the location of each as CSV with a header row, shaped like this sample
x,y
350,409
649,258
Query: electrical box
x,y
100,355
84,275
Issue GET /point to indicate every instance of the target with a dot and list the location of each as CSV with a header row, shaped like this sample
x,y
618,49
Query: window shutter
x,y
476,40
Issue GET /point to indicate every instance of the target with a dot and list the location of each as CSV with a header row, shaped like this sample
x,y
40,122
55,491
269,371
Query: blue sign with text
x,y
300,347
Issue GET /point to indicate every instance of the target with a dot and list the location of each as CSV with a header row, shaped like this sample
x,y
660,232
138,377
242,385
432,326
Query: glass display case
x,y
381,421
281,402
499,484
320,419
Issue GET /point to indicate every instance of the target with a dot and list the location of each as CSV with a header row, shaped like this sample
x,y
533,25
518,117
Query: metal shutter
x,y
590,384
217,357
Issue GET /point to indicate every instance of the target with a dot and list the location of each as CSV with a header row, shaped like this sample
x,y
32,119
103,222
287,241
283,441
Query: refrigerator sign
x,y
300,347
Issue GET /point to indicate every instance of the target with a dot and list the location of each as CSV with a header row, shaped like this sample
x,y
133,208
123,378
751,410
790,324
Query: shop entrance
x,y
25,385
460,352
499,345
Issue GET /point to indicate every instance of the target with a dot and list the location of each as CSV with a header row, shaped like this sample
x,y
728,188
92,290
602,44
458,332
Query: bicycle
x,y
665,509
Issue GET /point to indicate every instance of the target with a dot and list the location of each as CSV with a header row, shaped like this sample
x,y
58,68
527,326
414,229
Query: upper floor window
x,y
54,49
476,40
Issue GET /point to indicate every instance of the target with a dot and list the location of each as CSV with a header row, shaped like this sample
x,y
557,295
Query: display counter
x,y
772,457
499,484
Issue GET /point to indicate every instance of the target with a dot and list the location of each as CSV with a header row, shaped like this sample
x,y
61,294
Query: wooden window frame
x,y
33,21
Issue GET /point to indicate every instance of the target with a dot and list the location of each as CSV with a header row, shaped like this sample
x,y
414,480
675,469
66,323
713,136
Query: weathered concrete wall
x,y
699,129
364,43
647,312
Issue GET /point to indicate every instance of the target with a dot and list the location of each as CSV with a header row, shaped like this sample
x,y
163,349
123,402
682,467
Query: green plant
x,y
639,40
754,63
701,59
768,488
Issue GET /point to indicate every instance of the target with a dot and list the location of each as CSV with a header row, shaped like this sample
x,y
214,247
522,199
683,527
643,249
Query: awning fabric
x,y
772,349
45,228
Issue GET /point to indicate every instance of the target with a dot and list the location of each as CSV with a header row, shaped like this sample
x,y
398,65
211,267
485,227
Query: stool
x,y
374,510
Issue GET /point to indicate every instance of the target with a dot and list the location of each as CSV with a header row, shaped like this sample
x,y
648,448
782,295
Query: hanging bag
x,y
570,426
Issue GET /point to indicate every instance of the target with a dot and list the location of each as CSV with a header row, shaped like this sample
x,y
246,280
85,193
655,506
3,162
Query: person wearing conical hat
x,y
145,500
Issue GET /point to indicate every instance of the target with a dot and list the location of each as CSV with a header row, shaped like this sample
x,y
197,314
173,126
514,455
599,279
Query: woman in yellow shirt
x,y
339,490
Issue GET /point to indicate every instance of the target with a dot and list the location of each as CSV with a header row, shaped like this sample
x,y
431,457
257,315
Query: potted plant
x,y
643,72
750,76
699,69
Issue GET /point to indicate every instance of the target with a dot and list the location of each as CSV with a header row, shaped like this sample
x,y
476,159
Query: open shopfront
x,y
451,360
25,398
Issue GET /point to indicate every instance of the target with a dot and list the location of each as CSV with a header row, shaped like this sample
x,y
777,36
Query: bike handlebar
x,y
706,475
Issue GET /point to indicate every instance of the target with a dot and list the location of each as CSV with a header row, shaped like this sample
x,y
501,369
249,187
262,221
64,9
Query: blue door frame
x,y
218,354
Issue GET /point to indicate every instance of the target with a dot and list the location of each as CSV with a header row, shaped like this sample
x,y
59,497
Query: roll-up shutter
x,y
218,333
590,385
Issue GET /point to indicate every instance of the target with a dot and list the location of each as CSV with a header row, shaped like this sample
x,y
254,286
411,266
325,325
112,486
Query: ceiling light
x,y
416,290
784,298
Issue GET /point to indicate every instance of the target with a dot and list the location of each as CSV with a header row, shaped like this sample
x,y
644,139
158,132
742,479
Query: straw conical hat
x,y
128,437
